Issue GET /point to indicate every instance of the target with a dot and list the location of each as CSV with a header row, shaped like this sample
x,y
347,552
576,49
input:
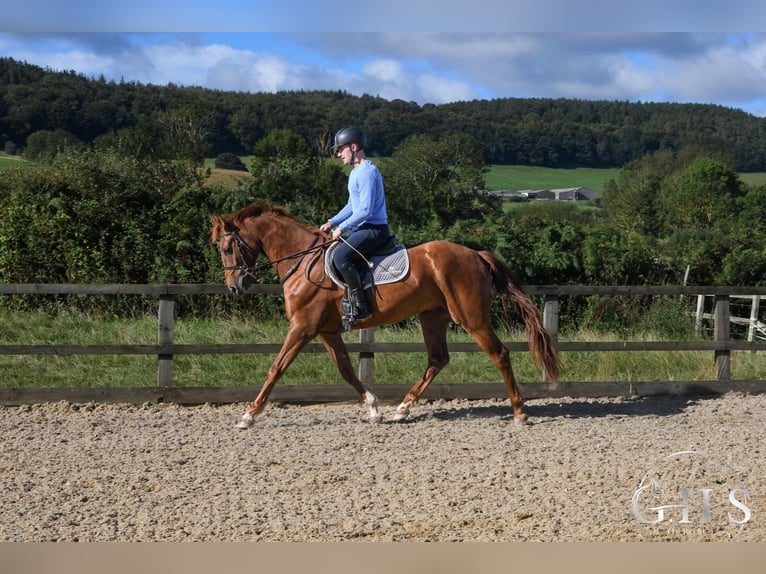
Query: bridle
x,y
247,269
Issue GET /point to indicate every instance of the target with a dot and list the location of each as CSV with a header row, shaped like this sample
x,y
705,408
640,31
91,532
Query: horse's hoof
x,y
246,422
402,412
376,418
521,420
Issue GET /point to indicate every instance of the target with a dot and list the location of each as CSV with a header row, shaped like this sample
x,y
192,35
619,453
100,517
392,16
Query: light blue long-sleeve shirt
x,y
366,199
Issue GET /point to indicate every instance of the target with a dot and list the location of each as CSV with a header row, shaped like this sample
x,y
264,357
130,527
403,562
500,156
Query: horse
x,y
446,282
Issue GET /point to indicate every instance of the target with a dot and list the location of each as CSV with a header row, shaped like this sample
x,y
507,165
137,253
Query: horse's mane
x,y
223,223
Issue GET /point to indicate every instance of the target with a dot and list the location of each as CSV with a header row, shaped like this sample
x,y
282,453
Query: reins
x,y
247,269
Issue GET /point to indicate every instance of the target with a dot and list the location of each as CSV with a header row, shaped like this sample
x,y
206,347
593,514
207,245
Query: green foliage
x,y
693,211
45,145
611,258
745,264
286,173
103,218
633,201
436,183
147,140
189,123
699,195
668,318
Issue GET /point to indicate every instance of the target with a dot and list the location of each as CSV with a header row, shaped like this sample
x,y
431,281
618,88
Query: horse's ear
x,y
218,227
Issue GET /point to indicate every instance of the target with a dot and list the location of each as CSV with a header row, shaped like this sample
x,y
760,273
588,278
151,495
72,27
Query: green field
x,y
753,178
8,161
530,177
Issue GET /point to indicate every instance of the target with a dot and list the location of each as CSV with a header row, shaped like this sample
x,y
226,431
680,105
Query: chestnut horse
x,y
446,282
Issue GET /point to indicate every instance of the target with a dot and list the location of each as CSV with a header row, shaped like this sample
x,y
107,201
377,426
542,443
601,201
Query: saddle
x,y
390,263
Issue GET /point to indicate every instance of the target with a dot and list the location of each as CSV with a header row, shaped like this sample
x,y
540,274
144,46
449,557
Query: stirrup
x,y
349,320
351,312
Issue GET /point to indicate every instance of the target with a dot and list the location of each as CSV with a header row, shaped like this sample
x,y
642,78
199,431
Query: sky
x,y
301,45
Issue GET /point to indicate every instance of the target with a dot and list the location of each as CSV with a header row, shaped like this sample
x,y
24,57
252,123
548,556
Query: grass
x,y
753,178
309,368
531,177
11,161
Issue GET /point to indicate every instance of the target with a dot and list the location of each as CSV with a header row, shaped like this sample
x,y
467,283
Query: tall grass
x,y
309,368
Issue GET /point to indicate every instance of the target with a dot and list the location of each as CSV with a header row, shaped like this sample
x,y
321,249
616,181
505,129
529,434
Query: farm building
x,y
560,194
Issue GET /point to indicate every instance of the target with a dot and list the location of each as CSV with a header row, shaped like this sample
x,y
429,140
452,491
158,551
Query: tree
x,y
45,145
189,125
631,201
745,263
699,195
246,124
147,140
435,183
286,173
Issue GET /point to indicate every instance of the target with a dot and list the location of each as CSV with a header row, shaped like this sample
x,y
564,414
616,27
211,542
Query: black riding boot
x,y
355,307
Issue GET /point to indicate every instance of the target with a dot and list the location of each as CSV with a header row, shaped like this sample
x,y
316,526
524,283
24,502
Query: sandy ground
x,y
455,471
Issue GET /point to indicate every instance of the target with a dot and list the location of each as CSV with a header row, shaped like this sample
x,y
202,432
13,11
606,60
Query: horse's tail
x,y
508,287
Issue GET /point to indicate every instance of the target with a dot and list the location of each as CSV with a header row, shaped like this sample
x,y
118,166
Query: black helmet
x,y
348,136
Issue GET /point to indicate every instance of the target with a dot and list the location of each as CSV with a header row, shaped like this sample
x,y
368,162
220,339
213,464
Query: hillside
x,y
559,133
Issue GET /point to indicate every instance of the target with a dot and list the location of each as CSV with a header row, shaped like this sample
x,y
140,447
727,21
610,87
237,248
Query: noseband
x,y
248,270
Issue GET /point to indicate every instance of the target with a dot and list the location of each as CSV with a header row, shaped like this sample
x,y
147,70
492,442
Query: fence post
x,y
721,333
551,308
754,309
367,358
700,314
166,316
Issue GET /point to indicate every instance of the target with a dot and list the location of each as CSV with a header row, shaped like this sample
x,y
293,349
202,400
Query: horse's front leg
x,y
297,338
337,349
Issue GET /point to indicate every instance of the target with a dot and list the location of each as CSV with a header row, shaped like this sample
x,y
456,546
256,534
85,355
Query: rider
x,y
362,224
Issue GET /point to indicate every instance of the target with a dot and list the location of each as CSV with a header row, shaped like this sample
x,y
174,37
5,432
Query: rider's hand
x,y
336,233
325,227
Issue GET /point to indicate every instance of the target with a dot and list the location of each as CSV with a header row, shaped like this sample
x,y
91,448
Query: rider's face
x,y
344,153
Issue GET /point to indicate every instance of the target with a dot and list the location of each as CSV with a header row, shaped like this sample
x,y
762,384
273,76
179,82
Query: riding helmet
x,y
348,136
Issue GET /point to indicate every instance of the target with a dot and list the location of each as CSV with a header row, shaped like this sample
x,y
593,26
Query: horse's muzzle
x,y
240,285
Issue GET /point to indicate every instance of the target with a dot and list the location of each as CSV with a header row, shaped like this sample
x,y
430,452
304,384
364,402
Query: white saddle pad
x,y
388,268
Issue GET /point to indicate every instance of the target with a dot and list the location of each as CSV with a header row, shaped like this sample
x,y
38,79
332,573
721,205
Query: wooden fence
x,y
720,346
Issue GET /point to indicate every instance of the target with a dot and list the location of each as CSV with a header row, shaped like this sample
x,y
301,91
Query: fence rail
x,y
721,346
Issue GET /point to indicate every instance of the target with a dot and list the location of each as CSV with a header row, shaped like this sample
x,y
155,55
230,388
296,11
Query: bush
x,y
229,161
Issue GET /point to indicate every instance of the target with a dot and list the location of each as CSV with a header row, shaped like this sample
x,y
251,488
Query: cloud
x,y
722,73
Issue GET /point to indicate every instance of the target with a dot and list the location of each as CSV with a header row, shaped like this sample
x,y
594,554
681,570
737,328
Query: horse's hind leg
x,y
491,344
434,326
335,346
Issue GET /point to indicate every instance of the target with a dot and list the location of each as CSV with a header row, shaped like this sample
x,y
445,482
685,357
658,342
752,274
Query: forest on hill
x,y
70,108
